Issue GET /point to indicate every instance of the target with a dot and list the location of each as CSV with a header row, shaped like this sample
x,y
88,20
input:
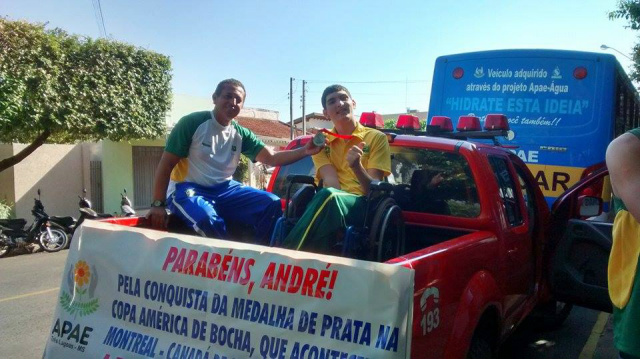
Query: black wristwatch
x,y
158,203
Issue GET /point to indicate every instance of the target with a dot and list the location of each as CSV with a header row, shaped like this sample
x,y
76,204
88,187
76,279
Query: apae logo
x,y
78,298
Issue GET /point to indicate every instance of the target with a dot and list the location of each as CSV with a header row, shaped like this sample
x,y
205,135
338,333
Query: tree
x,y
242,171
61,88
629,10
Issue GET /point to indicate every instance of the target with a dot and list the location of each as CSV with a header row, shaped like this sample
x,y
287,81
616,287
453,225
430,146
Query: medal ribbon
x,y
344,137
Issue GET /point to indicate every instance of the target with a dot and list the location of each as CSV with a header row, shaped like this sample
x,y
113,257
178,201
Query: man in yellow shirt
x,y
353,157
623,161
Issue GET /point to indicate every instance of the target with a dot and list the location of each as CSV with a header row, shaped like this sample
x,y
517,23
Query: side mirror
x,y
589,206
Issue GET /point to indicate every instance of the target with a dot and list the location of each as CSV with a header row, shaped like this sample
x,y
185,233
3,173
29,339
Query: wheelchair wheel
x,y
386,237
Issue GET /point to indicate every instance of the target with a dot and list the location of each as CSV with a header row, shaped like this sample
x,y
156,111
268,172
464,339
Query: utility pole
x,y
291,106
304,115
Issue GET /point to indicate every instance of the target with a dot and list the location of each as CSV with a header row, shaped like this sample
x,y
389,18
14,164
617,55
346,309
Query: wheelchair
x,y
379,238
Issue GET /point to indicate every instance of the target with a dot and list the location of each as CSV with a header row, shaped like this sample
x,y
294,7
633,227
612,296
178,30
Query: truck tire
x,y
551,315
480,347
484,341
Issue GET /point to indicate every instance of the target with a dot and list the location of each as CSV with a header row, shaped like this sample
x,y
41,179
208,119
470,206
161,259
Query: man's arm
x,y
158,215
364,176
623,161
271,158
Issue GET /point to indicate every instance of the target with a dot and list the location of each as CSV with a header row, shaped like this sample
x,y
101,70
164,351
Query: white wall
x,y
57,171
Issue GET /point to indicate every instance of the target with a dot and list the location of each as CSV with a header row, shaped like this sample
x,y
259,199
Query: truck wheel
x,y
480,347
551,315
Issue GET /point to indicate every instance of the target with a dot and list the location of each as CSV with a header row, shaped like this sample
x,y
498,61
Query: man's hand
x,y
435,181
311,149
354,155
158,217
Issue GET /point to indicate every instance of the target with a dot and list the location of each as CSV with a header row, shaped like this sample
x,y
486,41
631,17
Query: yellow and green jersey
x,y
376,155
210,152
624,279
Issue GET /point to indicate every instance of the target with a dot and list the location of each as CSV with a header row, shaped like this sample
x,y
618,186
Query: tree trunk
x,y
13,160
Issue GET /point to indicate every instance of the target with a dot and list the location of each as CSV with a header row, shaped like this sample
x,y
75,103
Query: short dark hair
x,y
331,89
230,82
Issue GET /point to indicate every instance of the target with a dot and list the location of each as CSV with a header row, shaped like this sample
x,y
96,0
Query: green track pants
x,y
325,219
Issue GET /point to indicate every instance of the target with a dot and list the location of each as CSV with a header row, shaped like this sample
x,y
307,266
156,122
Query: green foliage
x,y
242,172
6,210
629,10
390,124
79,88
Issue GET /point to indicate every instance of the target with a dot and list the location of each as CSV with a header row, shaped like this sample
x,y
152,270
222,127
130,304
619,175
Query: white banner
x,y
138,293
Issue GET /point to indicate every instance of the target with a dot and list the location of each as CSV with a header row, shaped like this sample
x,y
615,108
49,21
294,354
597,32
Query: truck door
x,y
581,248
517,244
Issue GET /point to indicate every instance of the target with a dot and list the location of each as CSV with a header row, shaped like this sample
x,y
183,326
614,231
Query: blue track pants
x,y
205,209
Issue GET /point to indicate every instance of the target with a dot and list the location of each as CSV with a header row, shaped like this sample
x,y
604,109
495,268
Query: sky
x,y
383,51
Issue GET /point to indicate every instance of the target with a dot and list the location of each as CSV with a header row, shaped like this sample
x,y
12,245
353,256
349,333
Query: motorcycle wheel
x,y
56,242
4,246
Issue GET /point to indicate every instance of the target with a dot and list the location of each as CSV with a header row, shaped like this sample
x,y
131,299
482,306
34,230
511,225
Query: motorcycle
x,y
125,205
50,236
87,212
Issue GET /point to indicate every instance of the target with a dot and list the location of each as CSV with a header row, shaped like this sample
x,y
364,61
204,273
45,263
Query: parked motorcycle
x,y
49,235
125,205
86,210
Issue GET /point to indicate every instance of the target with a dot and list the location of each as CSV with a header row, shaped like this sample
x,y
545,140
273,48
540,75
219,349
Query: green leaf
x,y
80,88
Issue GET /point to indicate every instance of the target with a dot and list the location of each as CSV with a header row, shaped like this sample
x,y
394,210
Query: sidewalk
x,y
605,348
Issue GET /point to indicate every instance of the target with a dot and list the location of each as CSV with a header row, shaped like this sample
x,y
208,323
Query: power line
x,y
370,82
388,93
104,29
97,11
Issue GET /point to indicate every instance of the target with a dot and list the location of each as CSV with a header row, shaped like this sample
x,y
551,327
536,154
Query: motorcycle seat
x,y
93,214
63,221
14,224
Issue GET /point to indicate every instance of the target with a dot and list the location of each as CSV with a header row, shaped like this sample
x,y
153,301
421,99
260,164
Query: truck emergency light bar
x,y
468,127
495,125
468,123
408,122
372,119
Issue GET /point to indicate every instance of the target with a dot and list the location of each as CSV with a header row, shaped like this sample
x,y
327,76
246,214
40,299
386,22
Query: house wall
x,y
117,171
7,189
57,171
315,123
90,152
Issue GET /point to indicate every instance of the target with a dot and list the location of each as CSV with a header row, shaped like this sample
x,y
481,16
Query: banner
x,y
138,293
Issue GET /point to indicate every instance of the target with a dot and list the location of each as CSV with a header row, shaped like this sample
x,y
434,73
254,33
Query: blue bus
x,y
563,106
